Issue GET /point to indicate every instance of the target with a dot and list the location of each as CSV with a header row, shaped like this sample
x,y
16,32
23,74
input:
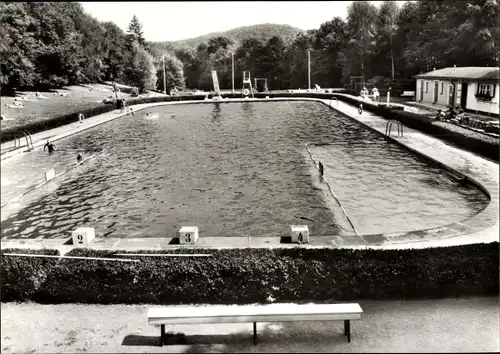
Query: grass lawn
x,y
449,325
82,97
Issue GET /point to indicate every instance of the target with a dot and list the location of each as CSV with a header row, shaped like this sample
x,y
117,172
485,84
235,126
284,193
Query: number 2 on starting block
x,y
83,236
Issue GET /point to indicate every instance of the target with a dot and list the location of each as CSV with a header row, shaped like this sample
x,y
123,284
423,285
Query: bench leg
x,y
255,333
162,334
347,330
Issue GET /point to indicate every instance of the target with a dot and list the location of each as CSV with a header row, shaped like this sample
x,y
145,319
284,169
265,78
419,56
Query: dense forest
x,y
51,44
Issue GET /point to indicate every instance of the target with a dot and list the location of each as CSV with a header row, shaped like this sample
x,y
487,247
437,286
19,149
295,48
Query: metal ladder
x,y
334,98
388,128
29,141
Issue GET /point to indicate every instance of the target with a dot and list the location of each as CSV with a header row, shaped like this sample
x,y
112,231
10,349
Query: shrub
x,y
23,276
242,276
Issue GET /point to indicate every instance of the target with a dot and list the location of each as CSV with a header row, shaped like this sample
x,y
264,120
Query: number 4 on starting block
x,y
188,235
300,234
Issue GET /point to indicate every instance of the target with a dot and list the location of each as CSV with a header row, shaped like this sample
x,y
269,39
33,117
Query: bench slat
x,y
249,319
253,313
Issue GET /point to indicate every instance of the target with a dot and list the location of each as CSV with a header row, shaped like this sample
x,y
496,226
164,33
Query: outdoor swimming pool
x,y
232,169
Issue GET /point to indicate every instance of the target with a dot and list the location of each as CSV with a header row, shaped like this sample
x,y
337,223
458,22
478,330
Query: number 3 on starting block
x,y
300,234
188,235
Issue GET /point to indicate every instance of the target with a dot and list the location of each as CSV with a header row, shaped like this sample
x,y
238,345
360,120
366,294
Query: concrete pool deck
x,y
482,227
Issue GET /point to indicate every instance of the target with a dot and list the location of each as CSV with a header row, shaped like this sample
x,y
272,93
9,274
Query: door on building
x,y
463,97
436,89
421,90
450,97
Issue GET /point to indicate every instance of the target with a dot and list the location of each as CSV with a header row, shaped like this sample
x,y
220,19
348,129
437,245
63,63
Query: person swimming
x,y
79,158
50,146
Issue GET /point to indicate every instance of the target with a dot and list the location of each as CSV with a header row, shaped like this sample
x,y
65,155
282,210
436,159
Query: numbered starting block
x,y
83,236
50,174
188,235
300,234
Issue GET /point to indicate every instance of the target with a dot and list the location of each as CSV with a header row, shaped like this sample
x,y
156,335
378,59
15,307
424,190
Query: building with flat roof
x,y
472,88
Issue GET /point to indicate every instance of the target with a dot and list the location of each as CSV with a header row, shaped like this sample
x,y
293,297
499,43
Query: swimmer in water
x,y
50,146
79,158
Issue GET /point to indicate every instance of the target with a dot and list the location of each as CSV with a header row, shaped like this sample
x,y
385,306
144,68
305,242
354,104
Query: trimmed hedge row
x,y
242,276
23,276
470,142
9,134
39,126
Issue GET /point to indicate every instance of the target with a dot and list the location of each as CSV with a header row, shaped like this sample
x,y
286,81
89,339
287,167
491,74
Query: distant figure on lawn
x,y
50,146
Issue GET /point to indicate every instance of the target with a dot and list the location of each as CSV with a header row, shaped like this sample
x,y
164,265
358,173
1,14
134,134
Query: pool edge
x,y
413,239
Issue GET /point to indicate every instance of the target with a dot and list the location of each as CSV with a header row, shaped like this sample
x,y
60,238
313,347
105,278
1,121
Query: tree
x,y
134,32
387,27
17,47
141,71
330,40
115,52
187,57
216,43
271,63
361,19
174,73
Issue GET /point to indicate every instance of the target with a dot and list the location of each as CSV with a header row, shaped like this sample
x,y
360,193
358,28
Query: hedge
x,y
23,276
471,142
43,125
243,276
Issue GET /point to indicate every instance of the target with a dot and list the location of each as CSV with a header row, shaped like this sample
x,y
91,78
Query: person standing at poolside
x,y
50,146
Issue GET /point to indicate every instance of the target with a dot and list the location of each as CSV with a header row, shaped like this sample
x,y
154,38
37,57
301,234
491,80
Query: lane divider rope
x,y
332,192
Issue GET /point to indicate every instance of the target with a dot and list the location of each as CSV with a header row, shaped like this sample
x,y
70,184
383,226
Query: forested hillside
x,y
262,33
52,44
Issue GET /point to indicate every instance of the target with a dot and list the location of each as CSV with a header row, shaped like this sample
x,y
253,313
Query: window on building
x,y
426,86
486,89
442,87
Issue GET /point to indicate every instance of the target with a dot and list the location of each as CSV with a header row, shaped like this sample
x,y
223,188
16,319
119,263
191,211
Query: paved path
x,y
449,325
483,227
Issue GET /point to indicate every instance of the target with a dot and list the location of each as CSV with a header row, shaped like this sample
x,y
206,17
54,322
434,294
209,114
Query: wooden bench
x,y
408,94
174,315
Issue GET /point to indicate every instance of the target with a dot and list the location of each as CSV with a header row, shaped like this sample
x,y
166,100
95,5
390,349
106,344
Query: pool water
x,y
232,169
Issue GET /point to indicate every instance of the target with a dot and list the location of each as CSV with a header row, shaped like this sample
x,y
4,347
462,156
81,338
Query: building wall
x,y
482,106
443,91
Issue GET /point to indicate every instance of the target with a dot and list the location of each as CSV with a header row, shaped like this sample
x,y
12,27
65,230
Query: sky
x,y
175,20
